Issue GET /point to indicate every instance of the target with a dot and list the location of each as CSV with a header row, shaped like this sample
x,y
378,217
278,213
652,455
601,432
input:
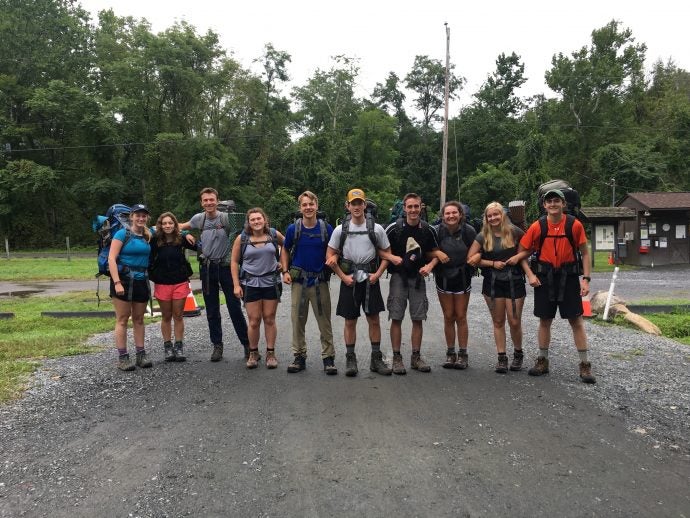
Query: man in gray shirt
x,y
214,269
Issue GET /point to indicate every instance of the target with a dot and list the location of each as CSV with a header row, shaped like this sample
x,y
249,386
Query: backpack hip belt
x,y
302,276
349,267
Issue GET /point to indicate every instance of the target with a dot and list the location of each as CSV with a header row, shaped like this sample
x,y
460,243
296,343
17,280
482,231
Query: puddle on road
x,y
19,293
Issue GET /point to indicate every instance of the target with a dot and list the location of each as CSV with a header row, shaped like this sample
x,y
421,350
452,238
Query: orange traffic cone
x,y
190,307
611,259
586,307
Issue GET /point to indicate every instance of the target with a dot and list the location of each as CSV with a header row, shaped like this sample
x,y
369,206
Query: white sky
x,y
386,35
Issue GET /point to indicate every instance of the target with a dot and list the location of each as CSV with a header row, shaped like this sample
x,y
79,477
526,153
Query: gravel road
x,y
206,439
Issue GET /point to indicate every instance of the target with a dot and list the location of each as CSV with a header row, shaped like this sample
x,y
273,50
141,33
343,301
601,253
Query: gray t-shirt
x,y
358,247
257,261
214,241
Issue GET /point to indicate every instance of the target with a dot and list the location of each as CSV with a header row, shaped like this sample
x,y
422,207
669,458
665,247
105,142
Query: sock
x,y
462,351
543,353
501,355
517,352
122,352
583,355
140,349
350,348
167,342
396,353
451,350
375,347
415,352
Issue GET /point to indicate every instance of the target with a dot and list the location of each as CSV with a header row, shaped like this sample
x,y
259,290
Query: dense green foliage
x,y
97,112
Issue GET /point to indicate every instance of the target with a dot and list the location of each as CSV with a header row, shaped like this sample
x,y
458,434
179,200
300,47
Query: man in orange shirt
x,y
557,283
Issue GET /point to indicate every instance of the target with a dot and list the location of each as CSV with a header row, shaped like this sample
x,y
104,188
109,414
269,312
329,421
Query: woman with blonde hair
x,y
495,252
128,263
170,271
255,269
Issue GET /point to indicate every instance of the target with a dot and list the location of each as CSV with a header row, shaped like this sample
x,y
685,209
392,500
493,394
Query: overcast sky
x,y
386,35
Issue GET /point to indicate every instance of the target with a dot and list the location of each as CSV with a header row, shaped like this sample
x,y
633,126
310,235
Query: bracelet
x,y
587,278
117,282
493,264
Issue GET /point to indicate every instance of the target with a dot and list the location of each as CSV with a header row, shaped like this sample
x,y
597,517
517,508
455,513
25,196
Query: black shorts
x,y
351,300
140,290
502,289
252,293
454,285
570,307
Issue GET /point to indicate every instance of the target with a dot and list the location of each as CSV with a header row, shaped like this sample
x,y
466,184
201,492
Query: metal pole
x,y
68,251
613,196
610,295
7,247
444,161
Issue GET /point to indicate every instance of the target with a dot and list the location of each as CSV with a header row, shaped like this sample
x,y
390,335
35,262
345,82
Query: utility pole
x,y
613,195
444,161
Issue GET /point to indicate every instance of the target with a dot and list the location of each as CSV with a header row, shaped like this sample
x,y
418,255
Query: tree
x,y
427,79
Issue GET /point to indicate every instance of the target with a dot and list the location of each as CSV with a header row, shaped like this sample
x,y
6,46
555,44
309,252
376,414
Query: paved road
x,y
213,439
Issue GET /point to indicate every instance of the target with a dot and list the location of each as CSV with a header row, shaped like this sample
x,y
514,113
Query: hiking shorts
x,y
502,288
140,290
351,300
253,293
166,292
400,290
570,307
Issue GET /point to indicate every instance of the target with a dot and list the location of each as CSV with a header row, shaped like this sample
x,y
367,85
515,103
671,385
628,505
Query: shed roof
x,y
604,213
660,200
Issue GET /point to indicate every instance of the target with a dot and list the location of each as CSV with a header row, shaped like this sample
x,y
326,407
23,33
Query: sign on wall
x,y
604,237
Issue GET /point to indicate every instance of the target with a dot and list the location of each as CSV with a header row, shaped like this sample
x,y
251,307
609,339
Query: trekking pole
x,y
610,296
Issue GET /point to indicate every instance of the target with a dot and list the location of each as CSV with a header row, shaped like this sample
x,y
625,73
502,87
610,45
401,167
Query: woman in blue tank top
x,y
256,276
128,263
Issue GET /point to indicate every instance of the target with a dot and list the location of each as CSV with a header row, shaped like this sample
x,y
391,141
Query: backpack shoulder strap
x,y
371,229
543,231
244,243
296,236
323,230
569,222
344,231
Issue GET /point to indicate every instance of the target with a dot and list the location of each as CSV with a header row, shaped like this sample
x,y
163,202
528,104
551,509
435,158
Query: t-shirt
x,y
214,241
169,264
501,254
412,244
556,251
134,254
358,247
258,261
310,252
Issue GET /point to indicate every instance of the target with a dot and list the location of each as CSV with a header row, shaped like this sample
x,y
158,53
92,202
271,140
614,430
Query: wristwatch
x,y
586,278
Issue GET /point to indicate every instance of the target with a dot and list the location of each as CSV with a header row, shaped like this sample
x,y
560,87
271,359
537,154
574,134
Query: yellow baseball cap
x,y
355,194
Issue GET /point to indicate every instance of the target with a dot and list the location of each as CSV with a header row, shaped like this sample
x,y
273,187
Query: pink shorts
x,y
171,291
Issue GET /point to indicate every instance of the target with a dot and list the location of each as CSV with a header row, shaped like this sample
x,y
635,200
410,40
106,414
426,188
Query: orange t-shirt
x,y
556,251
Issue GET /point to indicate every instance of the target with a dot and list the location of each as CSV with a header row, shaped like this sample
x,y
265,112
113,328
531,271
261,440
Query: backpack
x,y
115,219
572,197
442,233
398,211
544,228
244,243
225,222
370,213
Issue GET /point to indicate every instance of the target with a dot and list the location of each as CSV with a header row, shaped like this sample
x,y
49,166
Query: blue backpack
x,y
116,218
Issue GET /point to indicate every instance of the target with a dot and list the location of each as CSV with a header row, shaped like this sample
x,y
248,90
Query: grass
x,y
674,325
48,269
601,263
29,338
662,302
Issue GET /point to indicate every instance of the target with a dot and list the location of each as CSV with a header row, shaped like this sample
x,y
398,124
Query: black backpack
x,y
370,213
321,219
572,197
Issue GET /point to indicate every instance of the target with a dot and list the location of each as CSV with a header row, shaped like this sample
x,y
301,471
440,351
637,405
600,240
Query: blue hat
x,y
139,207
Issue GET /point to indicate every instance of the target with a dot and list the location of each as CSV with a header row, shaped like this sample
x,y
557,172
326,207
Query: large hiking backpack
x,y
115,219
572,197
370,214
398,211
544,229
321,219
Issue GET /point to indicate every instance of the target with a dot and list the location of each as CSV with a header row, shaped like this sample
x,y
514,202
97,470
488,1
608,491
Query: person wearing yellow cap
x,y
352,254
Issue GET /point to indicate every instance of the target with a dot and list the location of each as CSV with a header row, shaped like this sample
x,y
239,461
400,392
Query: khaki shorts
x,y
400,291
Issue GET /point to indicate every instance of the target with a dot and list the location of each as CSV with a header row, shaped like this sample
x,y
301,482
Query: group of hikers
x,y
253,268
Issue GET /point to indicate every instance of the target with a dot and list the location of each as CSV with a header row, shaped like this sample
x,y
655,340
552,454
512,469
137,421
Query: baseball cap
x,y
554,193
140,207
356,194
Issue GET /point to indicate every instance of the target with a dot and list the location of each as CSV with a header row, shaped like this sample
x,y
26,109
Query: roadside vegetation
x,y
45,269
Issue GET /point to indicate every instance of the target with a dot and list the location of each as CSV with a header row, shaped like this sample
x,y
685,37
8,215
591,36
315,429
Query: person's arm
x,y
387,255
332,263
532,279
187,225
235,266
584,282
429,267
374,277
474,255
115,249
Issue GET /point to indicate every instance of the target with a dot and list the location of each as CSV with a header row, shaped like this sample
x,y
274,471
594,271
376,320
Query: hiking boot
x,y
516,364
253,360
451,358
378,365
299,363
398,365
179,352
143,360
217,353
169,351
124,363
329,366
586,373
271,360
502,364
350,364
417,363
462,361
540,367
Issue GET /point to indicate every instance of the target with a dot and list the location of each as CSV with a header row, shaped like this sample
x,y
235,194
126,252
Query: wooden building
x,y
658,234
